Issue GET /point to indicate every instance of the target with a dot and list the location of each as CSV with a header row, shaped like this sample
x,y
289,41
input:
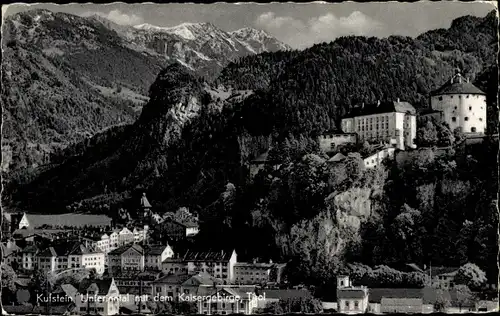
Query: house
x,y
127,257
11,253
218,264
125,236
175,266
392,122
228,300
179,230
155,255
98,297
376,155
329,141
460,104
257,272
169,285
28,257
351,299
140,234
404,300
70,255
442,277
177,287
134,283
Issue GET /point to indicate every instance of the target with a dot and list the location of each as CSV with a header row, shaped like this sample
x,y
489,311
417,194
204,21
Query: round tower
x,y
461,103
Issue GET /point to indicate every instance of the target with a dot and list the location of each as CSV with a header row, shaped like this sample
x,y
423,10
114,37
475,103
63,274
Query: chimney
x,y
270,261
362,105
378,103
397,100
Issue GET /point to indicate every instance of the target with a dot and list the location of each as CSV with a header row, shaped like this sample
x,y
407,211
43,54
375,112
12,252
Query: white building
x,y
377,155
98,297
125,236
351,299
66,256
155,255
461,104
392,122
128,257
217,264
227,301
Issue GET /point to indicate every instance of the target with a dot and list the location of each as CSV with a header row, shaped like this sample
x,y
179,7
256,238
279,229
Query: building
x,y
227,300
135,283
257,272
155,255
351,299
393,122
405,300
177,230
125,236
217,264
377,154
127,257
70,255
34,221
442,277
175,286
28,257
331,140
461,104
98,297
144,208
11,253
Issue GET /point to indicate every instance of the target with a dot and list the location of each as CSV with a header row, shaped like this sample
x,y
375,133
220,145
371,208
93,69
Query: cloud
x,y
119,17
324,28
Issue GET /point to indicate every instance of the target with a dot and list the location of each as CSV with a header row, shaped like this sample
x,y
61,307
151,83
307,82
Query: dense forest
x,y
189,149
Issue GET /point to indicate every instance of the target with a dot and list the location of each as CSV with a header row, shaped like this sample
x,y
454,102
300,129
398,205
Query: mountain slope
x,y
67,77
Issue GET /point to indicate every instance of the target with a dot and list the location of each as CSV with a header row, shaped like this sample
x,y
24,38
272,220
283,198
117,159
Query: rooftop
x,y
382,107
428,295
207,256
265,265
457,85
68,219
122,249
102,286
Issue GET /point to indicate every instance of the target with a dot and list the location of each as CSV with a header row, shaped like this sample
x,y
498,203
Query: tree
x,y
464,295
443,301
470,275
427,135
8,283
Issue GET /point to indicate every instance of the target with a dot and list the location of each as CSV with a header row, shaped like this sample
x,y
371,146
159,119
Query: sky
x,y
298,25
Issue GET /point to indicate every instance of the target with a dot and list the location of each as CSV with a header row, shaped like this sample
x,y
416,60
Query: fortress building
x,y
390,122
460,104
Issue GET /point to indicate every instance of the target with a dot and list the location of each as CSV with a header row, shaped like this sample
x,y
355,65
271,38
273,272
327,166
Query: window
x,y
440,98
453,119
470,108
356,304
480,119
451,97
473,129
347,304
466,118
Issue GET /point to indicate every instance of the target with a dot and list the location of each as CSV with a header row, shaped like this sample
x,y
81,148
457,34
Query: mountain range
x,y
66,77
193,135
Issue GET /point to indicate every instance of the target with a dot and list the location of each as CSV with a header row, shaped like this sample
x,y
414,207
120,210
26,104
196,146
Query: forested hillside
x,y
193,141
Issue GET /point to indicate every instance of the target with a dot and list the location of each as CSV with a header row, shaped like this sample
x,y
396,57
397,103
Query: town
x,y
82,264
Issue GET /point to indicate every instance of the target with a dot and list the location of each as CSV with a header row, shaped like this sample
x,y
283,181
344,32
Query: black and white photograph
x,y
250,158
